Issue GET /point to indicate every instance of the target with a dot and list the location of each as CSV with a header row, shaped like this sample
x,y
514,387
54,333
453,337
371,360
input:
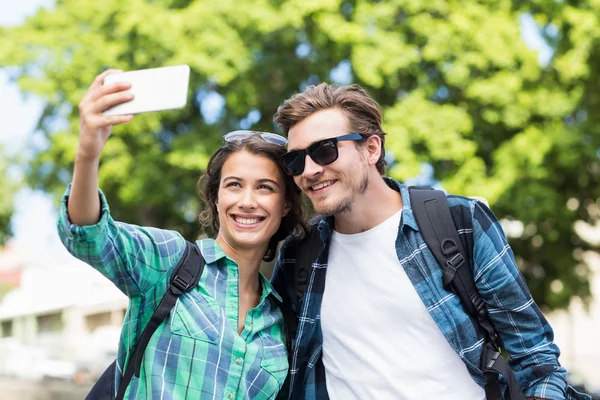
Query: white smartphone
x,y
154,89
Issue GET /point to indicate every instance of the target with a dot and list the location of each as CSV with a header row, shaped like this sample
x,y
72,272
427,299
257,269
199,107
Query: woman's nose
x,y
248,199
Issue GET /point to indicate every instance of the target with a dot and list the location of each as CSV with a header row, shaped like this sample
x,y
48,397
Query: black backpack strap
x,y
494,364
184,278
432,213
306,253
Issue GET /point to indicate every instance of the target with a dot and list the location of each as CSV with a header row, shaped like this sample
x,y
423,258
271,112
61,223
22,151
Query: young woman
x,y
225,338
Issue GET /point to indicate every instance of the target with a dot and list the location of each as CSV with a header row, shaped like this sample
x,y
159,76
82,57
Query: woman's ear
x,y
286,208
217,206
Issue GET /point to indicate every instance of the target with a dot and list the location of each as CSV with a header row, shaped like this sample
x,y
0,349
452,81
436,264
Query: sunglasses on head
x,y
266,136
323,152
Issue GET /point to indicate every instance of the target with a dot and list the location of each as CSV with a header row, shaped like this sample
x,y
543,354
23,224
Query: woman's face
x,y
251,201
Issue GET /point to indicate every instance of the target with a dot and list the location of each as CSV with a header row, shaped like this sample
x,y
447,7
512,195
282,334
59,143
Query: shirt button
x,y
238,362
230,395
250,326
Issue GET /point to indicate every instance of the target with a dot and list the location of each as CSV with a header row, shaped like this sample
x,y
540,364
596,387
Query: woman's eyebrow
x,y
263,180
267,180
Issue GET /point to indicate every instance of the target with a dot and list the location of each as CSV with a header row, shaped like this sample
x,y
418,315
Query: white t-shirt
x,y
379,341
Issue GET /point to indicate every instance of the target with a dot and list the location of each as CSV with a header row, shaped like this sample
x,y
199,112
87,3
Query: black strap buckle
x,y
492,360
455,262
180,284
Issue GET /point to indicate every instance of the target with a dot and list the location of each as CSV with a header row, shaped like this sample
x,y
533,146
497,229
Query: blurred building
x,y
70,311
12,261
577,330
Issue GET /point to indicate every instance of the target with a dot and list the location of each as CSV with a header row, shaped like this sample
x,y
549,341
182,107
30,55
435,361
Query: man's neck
x,y
372,208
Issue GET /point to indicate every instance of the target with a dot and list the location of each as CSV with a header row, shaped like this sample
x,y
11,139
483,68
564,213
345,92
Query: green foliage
x,y
8,188
459,88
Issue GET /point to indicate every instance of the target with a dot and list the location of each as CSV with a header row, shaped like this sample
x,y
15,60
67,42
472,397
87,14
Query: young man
x,y
375,321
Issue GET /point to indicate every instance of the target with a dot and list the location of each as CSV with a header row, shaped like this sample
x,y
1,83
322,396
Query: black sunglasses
x,y
322,152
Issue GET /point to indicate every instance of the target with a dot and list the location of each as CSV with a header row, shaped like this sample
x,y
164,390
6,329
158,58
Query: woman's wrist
x,y
84,158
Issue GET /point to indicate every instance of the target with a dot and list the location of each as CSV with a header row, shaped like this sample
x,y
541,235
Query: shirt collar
x,y
210,250
267,288
408,218
212,253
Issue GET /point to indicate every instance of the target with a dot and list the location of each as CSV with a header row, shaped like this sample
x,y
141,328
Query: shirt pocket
x,y
275,358
196,316
265,382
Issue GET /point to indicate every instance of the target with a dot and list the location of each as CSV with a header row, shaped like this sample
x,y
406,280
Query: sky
x,y
34,222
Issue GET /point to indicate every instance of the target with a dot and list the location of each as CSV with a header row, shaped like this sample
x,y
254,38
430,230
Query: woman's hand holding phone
x,y
94,127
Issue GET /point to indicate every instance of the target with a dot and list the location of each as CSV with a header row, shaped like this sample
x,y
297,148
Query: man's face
x,y
335,187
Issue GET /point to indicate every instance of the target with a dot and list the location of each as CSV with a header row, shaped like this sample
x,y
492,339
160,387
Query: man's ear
x,y
373,146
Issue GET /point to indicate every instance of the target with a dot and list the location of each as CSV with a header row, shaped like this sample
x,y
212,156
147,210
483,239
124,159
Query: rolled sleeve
x,y
134,258
76,233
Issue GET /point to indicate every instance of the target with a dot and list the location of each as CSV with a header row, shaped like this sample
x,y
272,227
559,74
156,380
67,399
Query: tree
x,y
460,91
7,192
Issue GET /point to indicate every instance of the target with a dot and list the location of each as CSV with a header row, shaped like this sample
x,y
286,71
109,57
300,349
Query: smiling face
x,y
332,188
251,201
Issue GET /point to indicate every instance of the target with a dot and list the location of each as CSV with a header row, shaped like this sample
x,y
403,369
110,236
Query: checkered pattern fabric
x,y
197,352
524,332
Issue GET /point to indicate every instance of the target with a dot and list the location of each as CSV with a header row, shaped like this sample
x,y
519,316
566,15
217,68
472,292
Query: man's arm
x,y
523,330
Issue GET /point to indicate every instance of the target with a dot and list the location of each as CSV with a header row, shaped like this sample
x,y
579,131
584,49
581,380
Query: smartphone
x,y
154,89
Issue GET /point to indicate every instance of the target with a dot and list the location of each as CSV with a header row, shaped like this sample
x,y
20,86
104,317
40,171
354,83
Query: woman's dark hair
x,y
208,189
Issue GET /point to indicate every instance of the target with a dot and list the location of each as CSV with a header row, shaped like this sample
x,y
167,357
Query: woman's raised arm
x,y
94,130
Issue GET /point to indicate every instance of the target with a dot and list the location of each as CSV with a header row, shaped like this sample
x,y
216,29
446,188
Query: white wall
x,y
577,333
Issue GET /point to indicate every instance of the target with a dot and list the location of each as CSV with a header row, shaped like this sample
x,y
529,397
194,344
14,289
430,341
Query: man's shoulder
x,y
292,242
458,202
467,201
469,211
289,245
462,209
453,199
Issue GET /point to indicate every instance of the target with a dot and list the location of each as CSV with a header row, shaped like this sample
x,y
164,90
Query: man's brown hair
x,y
362,111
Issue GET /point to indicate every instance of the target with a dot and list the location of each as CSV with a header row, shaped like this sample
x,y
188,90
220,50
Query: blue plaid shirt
x,y
524,332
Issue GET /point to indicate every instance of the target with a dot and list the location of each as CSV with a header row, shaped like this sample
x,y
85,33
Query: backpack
x,y
442,239
184,278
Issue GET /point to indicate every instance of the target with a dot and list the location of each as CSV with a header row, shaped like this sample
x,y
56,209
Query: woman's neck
x,y
248,261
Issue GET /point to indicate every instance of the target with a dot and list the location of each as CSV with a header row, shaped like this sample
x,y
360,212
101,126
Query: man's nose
x,y
311,168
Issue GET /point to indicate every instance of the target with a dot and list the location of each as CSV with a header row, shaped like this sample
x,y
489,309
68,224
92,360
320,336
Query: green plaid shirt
x,y
197,352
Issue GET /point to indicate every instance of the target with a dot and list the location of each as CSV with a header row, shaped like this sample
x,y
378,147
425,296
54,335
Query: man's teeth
x,y
246,221
322,185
